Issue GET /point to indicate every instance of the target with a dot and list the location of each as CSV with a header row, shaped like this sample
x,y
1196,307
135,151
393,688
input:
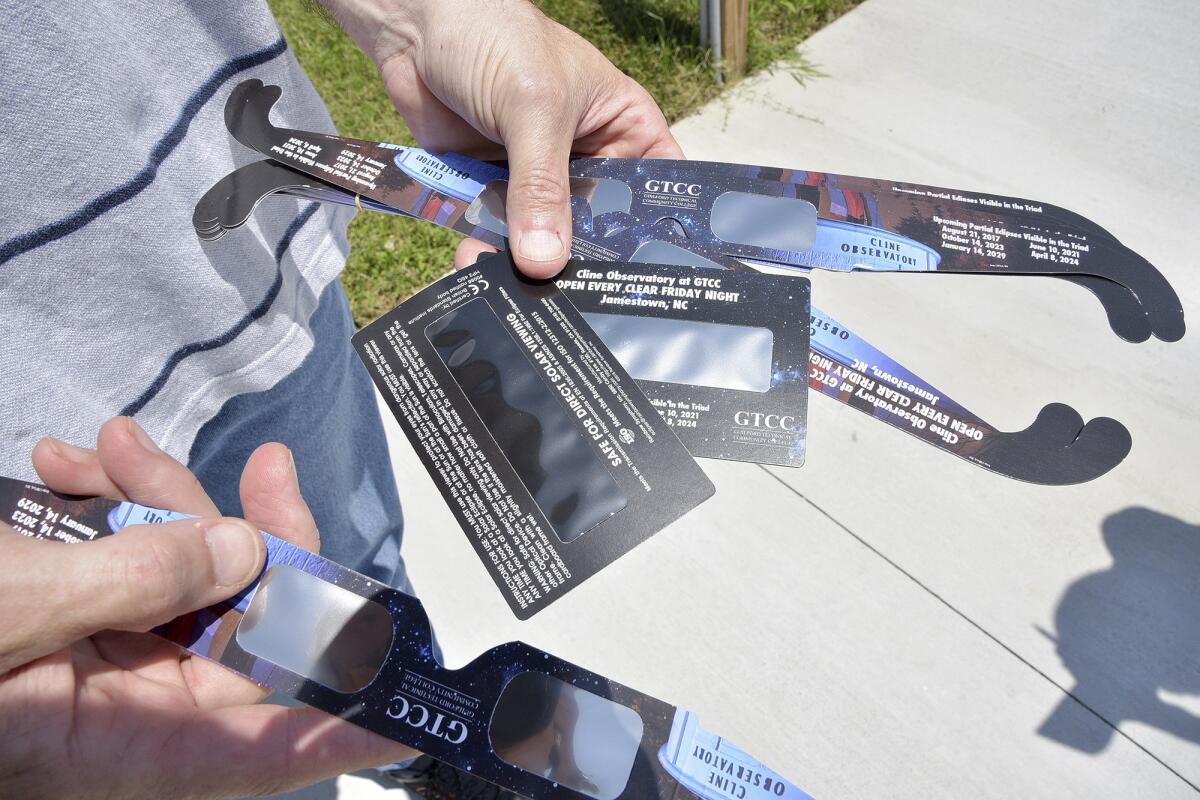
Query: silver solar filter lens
x,y
660,252
604,195
777,223
689,352
315,629
566,734
527,420
489,210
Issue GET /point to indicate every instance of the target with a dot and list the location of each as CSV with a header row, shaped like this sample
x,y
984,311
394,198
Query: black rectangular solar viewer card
x,y
552,459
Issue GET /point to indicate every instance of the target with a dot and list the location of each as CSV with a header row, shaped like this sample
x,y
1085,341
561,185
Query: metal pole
x,y
704,39
714,20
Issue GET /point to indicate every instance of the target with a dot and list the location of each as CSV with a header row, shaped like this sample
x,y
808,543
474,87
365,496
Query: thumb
x,y
538,205
147,575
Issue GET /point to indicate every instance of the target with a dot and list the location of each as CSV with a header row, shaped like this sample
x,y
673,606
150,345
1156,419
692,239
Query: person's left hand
x,y
118,713
496,78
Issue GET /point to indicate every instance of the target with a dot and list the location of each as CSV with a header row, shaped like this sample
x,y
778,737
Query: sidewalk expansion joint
x,y
995,640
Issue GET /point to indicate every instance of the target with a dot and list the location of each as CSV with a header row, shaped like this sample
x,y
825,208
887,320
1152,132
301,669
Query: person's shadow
x,y
1132,631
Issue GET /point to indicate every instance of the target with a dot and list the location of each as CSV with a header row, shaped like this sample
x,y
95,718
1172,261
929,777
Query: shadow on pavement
x,y
1132,631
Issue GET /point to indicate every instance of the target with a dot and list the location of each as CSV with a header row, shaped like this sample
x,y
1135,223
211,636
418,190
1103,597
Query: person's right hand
x,y
499,79
90,704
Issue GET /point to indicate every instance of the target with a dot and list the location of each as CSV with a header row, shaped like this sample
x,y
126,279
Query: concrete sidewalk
x,y
890,621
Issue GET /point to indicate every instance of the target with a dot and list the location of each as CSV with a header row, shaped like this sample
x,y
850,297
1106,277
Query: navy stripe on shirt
x,y
228,336
65,226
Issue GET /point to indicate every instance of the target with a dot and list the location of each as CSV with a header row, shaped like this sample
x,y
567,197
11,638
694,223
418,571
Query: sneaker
x,y
435,780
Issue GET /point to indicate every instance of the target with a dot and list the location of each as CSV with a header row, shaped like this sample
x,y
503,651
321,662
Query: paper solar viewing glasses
x,y
516,716
711,215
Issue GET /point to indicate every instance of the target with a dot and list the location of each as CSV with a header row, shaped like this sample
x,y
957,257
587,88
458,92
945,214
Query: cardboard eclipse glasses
x,y
1058,448
515,716
790,218
463,194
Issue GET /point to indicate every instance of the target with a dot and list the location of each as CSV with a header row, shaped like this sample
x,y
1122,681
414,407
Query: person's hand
x,y
471,75
90,704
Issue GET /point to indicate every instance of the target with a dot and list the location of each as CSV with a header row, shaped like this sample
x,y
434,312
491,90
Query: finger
x,y
267,749
468,251
144,577
538,204
625,122
147,655
656,139
664,146
68,469
271,502
146,474
208,685
271,499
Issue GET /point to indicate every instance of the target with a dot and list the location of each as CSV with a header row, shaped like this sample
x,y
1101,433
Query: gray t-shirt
x,y
111,129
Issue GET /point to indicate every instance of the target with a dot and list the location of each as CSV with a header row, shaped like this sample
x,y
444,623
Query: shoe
x,y
435,780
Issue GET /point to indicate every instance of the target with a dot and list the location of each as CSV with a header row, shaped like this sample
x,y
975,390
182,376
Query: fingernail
x,y
234,547
141,437
540,246
68,452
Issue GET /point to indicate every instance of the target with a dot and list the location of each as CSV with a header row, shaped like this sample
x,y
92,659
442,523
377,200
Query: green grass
x,y
654,41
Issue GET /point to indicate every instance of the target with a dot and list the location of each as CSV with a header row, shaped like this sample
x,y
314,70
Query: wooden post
x,y
735,29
